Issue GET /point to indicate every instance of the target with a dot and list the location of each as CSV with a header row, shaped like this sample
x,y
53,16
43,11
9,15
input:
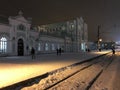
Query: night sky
x,y
105,13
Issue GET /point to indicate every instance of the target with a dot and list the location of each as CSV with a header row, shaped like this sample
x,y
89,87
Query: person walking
x,y
113,51
60,51
33,53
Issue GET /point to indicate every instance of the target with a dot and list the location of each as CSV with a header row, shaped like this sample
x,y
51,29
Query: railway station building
x,y
18,36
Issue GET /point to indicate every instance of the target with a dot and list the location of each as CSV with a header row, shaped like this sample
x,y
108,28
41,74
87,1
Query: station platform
x,y
15,69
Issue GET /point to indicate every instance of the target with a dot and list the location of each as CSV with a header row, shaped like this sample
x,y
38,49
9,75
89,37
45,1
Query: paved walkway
x,y
15,69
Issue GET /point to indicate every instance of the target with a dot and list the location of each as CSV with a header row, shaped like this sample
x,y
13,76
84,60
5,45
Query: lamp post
x,y
99,45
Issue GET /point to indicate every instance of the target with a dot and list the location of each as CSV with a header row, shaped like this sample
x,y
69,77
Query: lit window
x,y
39,48
102,45
46,47
3,44
58,46
53,47
82,46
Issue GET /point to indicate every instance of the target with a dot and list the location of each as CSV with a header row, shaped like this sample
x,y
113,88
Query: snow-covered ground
x,y
108,80
79,81
17,69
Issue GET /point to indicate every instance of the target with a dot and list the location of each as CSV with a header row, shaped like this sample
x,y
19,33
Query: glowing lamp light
x,y
100,40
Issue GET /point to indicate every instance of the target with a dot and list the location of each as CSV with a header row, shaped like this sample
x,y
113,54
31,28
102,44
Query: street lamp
x,y
100,40
99,46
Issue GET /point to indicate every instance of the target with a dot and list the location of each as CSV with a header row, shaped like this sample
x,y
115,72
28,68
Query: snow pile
x,y
53,78
80,80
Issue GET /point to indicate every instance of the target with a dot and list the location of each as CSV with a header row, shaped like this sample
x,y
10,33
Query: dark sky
x,y
95,12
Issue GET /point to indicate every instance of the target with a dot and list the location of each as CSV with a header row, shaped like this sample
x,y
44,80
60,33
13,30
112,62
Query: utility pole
x,y
98,33
98,36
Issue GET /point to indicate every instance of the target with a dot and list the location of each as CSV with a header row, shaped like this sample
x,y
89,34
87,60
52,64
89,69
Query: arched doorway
x,y
20,47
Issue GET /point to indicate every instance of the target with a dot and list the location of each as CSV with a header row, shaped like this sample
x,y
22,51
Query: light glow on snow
x,y
11,73
15,73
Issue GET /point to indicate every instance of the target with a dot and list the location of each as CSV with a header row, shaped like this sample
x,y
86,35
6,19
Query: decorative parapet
x,y
4,34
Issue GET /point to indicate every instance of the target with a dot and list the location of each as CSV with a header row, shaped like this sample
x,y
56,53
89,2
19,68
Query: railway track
x,y
79,76
84,78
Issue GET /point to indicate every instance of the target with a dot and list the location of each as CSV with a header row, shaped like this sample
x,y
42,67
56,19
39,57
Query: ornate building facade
x,y
17,36
71,36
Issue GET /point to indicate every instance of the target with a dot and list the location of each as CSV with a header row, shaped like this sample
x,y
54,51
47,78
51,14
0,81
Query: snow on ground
x,y
78,82
16,69
110,78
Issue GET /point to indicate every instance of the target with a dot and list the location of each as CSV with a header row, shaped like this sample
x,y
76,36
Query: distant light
x,y
100,40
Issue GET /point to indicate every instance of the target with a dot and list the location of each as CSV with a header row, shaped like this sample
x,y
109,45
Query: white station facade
x,y
17,36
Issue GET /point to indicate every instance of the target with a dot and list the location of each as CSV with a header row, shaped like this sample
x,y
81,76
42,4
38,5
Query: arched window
x,y
53,46
3,44
39,46
21,27
58,46
46,47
